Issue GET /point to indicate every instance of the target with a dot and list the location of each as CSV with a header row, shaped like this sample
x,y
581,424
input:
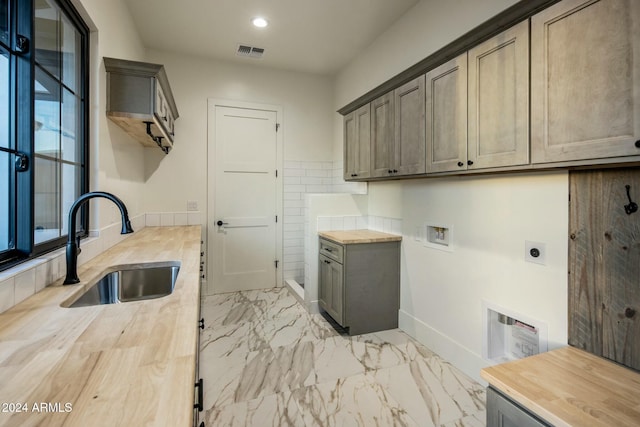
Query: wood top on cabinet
x,y
349,237
570,387
127,364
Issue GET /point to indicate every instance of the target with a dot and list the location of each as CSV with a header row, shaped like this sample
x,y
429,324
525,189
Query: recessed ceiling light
x,y
259,22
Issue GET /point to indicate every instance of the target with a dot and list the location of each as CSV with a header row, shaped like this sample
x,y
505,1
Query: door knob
x,y
220,223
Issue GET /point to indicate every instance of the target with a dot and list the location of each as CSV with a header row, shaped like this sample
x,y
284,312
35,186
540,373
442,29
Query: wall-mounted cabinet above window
x,y
140,101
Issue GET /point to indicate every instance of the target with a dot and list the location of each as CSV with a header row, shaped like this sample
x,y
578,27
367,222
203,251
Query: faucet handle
x,y
78,245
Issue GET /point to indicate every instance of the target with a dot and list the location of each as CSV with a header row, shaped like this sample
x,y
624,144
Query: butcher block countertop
x,y
359,236
128,364
570,387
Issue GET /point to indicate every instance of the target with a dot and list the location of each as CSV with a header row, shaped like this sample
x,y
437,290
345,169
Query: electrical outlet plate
x,y
535,252
192,206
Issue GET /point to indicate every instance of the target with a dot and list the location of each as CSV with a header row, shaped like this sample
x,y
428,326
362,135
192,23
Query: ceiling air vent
x,y
249,51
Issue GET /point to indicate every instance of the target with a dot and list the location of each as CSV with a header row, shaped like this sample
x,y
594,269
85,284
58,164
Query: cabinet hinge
x,y
277,126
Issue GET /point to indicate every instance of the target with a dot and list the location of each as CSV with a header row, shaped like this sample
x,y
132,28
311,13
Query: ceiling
x,y
317,36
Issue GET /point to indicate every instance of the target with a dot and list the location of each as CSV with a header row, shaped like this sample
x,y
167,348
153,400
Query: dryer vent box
x,y
510,336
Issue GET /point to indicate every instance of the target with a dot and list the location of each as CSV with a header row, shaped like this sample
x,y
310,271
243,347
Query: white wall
x,y
117,161
492,216
182,175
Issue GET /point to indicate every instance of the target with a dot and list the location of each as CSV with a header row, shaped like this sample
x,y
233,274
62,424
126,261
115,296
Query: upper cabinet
x,y
409,136
478,112
395,141
357,141
382,135
139,99
585,77
558,88
446,119
499,100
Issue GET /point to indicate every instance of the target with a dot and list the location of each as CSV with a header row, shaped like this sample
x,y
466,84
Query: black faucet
x,y
73,248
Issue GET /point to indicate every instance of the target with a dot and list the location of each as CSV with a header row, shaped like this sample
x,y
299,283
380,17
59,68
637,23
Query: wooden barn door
x,y
604,264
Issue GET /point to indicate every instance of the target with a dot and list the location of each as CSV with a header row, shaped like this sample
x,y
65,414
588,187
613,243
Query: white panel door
x,y
243,225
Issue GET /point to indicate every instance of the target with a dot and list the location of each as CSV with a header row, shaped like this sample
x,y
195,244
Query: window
x,y
43,125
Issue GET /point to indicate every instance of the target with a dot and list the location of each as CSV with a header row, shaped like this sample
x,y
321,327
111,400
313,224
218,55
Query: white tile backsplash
x,y
180,218
153,220
167,219
25,285
7,294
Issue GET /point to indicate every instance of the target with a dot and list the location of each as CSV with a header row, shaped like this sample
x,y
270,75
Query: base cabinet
x,y
503,412
359,284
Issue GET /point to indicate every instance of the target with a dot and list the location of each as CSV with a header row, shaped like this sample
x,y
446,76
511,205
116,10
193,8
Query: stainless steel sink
x,y
131,283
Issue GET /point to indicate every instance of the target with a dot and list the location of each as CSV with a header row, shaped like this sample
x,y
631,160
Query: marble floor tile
x,y
222,378
227,309
477,420
266,361
432,391
293,328
231,340
351,401
274,304
274,410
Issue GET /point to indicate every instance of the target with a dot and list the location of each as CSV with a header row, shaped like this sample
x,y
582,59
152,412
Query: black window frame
x,y
21,134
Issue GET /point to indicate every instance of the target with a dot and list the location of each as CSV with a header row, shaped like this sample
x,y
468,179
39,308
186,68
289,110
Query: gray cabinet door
x,y
501,412
357,141
409,141
331,293
585,77
498,109
446,118
382,135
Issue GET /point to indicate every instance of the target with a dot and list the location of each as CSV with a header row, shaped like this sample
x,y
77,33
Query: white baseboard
x,y
451,351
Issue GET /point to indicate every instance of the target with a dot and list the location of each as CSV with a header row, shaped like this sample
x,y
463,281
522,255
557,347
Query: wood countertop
x,y
128,364
570,387
349,237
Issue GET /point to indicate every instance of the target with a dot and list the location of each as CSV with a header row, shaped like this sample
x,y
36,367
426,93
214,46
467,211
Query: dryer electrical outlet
x,y
535,252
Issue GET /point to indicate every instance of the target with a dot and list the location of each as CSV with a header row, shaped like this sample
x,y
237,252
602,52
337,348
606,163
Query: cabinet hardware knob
x,y
390,171
354,174
327,262
629,313
395,171
202,253
638,143
201,323
460,164
220,223
469,162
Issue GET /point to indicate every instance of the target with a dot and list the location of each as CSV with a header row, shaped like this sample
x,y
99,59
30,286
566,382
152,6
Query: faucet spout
x,y
72,247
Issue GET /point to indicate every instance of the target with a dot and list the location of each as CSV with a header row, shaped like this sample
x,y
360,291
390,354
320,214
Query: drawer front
x,y
331,250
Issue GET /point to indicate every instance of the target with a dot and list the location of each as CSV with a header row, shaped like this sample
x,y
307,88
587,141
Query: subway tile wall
x,y
300,178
